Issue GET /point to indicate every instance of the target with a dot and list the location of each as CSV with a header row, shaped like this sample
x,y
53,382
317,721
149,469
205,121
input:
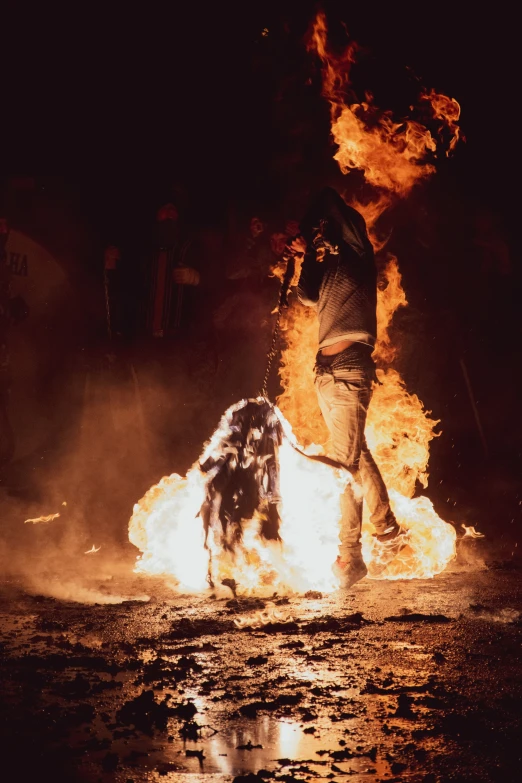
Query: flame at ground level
x,y
166,527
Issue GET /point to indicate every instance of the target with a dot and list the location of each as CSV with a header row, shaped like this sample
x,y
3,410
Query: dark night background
x,y
107,111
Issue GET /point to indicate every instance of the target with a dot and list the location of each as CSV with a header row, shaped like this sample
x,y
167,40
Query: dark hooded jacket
x,y
343,286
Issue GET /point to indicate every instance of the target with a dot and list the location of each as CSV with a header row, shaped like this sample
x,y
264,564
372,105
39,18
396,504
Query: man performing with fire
x,y
338,278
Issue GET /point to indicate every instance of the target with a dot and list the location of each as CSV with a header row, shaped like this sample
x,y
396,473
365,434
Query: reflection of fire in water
x,y
394,157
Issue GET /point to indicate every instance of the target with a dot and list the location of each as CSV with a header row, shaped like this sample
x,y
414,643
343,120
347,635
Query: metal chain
x,y
281,305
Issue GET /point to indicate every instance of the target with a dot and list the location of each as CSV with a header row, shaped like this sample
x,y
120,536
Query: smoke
x,y
64,509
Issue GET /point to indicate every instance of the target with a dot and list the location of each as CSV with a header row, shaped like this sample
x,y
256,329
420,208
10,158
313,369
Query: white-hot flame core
x,y
166,527
310,520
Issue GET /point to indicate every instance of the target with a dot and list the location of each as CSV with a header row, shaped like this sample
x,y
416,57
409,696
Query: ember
x,y
45,518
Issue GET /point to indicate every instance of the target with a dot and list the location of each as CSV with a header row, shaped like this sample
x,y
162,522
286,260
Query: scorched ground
x,y
413,680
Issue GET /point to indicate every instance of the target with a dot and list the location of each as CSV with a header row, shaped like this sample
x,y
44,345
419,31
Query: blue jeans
x,y
344,396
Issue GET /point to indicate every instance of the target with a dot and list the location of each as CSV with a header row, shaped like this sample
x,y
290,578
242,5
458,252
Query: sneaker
x,y
348,573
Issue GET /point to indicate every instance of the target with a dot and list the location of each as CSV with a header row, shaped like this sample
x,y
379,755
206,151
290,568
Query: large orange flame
x,y
394,156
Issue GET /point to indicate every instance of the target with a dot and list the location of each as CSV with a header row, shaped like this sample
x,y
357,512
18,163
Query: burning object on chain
x,y
242,473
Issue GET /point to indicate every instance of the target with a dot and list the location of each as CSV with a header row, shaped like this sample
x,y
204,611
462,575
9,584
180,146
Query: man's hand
x,y
186,275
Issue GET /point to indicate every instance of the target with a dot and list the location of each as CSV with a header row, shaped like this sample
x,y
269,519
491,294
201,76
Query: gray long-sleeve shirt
x,y
343,287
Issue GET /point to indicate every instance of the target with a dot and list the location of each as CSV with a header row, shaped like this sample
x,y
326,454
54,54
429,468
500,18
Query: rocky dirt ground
x,y
391,681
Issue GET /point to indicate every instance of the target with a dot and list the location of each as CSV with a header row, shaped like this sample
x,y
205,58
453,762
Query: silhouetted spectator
x,y
121,293
251,256
170,274
244,319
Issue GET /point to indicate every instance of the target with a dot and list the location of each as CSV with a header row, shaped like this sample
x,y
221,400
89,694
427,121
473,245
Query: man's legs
x,y
344,400
376,495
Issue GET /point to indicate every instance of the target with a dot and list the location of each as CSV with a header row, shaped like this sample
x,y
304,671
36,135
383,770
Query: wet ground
x,y
392,681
